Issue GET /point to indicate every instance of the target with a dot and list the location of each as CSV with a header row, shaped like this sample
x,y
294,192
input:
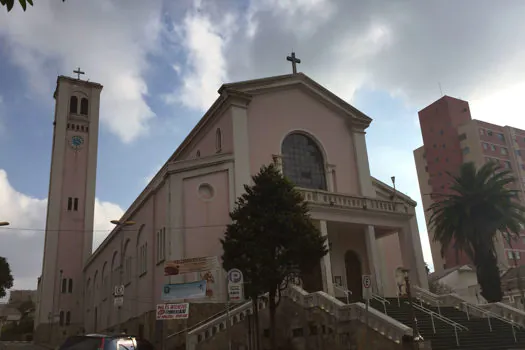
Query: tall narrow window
x,y
68,318
84,106
64,285
73,105
75,206
70,286
61,322
69,203
218,140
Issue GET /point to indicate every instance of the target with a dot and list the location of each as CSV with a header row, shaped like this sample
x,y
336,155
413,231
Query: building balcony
x,y
327,199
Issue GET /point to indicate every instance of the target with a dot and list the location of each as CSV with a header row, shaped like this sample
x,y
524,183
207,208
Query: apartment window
x,y
61,321
501,137
75,205
70,286
441,132
485,146
435,146
64,285
504,151
489,132
161,245
437,159
462,137
518,152
482,131
507,164
513,255
68,318
143,259
492,148
69,203
522,166
466,150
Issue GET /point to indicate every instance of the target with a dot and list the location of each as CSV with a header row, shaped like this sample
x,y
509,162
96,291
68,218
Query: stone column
x,y
241,150
278,162
326,264
412,253
363,167
374,263
330,183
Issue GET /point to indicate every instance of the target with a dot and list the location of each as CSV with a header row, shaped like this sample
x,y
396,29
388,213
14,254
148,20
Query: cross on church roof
x,y
78,72
294,61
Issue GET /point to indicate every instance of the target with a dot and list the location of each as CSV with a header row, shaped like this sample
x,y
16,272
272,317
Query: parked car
x,y
105,342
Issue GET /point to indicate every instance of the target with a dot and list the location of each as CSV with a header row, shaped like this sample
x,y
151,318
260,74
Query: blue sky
x,y
161,64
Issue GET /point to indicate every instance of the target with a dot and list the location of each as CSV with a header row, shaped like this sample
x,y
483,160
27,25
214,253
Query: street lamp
x,y
393,196
123,223
120,223
416,337
4,223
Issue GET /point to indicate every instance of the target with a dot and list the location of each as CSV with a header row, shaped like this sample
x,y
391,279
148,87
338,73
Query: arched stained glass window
x,y
303,162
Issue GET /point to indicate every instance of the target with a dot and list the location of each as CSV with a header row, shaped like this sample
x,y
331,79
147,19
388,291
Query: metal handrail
x,y
347,292
436,301
200,323
382,301
441,318
490,315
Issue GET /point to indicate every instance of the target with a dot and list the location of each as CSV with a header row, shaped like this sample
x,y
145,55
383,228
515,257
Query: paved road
x,y
19,346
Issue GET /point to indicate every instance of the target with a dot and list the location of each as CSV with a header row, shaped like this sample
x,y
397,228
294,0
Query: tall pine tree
x,y
271,239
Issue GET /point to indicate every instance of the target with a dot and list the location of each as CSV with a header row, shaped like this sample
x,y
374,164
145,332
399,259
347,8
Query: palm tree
x,y
480,204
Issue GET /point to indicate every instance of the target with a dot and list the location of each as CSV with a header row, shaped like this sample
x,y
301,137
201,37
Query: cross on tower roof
x,y
294,61
78,72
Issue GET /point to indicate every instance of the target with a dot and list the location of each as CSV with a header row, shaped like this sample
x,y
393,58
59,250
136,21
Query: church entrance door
x,y
353,275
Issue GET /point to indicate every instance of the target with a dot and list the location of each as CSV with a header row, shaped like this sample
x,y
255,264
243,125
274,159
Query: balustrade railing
x,y
325,198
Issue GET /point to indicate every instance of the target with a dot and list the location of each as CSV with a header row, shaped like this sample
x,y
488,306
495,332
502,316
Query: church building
x,y
314,137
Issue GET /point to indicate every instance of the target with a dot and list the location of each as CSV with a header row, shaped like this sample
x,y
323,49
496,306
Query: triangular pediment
x,y
385,192
301,81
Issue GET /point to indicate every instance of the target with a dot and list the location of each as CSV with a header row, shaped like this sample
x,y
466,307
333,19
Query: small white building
x,y
461,280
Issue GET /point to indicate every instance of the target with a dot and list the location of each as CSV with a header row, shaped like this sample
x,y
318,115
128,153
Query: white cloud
x,y
205,61
109,41
22,242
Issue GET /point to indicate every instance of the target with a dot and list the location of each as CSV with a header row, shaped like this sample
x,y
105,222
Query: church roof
x,y
256,86
244,90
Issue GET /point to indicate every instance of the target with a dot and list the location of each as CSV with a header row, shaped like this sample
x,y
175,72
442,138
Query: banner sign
x,y
235,292
173,311
192,265
189,290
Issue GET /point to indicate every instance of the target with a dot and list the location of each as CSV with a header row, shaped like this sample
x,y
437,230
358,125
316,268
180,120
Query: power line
x,y
121,230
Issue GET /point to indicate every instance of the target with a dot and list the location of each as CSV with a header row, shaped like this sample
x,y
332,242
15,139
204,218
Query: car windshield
x,y
81,343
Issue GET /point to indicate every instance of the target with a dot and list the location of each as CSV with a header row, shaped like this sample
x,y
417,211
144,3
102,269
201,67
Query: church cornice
x,y
168,169
356,118
390,191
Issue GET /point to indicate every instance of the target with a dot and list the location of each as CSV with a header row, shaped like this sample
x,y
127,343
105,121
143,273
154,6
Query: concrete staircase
x,y
386,326
450,328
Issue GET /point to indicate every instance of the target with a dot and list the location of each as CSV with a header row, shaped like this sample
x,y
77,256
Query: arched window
x,y
84,106
303,162
218,140
70,286
64,285
61,321
73,105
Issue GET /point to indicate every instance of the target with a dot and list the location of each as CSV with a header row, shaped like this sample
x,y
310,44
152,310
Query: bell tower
x,y
70,209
